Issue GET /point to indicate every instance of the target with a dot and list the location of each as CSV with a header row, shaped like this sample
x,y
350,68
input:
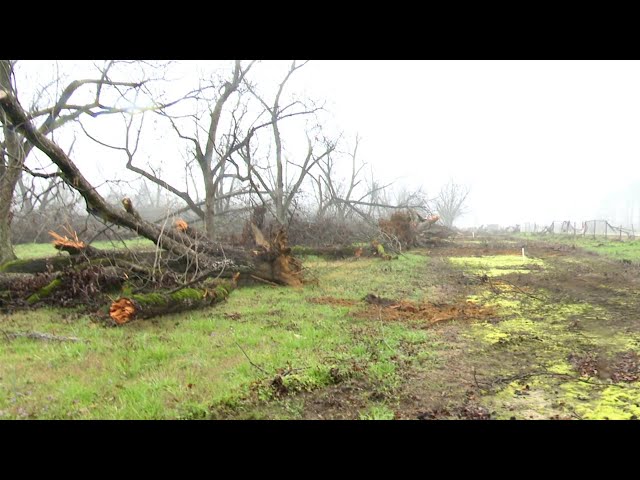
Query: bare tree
x,y
15,148
211,165
337,195
280,191
213,153
450,202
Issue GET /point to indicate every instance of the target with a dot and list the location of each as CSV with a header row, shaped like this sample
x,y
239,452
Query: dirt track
x,y
560,343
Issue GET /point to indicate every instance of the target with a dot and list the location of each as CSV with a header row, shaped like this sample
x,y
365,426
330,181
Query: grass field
x,y
192,365
610,247
550,322
37,250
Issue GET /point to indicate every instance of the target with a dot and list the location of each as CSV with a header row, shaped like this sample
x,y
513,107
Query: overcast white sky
x,y
535,140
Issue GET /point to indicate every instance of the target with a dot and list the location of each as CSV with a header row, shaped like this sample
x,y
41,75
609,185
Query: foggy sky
x,y
535,140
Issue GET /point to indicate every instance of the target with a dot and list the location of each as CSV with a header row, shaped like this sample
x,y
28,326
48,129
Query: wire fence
x,y
590,228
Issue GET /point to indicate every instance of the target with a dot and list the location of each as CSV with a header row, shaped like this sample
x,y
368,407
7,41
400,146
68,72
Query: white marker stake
x,y
522,252
474,234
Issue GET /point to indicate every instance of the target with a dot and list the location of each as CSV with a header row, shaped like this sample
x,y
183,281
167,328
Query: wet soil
x,y
469,375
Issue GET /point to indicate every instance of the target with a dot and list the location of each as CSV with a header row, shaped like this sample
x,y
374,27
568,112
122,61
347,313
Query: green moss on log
x,y
44,292
150,299
36,265
148,305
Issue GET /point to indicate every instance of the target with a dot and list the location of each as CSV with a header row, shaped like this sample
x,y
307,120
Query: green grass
x,y
610,247
37,250
222,359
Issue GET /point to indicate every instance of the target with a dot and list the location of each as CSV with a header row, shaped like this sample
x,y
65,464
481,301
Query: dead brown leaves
x,y
624,367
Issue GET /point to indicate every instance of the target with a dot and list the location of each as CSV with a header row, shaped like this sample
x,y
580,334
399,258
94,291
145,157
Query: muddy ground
x,y
553,336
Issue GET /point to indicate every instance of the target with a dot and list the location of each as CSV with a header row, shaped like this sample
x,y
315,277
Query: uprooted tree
x,y
189,256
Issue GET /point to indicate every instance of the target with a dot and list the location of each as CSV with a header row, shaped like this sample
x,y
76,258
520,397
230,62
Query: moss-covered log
x,y
148,305
45,291
38,265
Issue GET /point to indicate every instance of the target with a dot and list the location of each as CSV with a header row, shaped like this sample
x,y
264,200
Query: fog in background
x,y
535,141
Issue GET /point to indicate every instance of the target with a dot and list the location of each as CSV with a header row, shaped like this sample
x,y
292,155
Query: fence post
x,y
606,230
620,232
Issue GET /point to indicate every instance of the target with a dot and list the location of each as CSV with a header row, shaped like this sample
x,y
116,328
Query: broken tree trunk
x,y
149,305
267,260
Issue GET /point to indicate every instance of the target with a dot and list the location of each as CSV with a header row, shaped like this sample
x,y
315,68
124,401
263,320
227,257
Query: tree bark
x,y
149,305
6,246
11,163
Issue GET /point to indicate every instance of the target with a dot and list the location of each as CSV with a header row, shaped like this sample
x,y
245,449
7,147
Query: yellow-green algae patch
x,y
496,265
591,402
534,338
614,403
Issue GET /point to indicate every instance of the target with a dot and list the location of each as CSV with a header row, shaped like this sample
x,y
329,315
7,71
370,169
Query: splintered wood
x,y
122,311
182,225
66,243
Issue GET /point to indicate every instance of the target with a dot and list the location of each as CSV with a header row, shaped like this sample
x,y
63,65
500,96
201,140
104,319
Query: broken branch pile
x,y
145,283
200,258
411,230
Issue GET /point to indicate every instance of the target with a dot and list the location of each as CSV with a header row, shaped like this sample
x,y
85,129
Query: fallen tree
x,y
282,268
149,284
408,229
182,259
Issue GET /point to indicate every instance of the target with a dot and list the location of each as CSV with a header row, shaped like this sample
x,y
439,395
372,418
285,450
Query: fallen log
x,y
38,265
341,251
148,305
267,260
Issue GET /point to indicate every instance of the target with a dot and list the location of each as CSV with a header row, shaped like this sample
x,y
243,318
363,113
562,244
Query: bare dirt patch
x,y
427,312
